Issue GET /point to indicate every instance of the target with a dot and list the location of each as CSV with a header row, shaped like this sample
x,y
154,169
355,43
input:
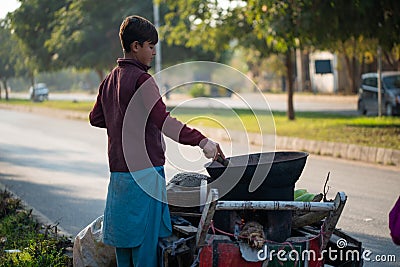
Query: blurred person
x,y
394,222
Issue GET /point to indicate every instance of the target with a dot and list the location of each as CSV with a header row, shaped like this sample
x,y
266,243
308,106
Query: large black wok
x,y
276,173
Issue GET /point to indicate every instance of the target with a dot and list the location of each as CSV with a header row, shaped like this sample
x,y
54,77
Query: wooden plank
x,y
331,221
206,217
187,230
308,218
179,198
185,214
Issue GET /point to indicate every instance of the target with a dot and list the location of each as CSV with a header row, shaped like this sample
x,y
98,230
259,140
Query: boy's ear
x,y
135,46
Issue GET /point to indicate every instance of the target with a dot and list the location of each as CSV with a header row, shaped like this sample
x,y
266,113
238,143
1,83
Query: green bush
x,y
198,90
25,242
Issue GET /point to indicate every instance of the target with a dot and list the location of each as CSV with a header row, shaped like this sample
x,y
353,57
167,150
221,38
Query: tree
x,y
10,56
280,25
6,60
348,27
82,34
174,52
384,22
72,33
85,33
33,24
353,28
268,26
203,25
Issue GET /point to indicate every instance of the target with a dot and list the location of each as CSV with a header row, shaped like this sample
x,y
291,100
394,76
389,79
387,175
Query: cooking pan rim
x,y
302,154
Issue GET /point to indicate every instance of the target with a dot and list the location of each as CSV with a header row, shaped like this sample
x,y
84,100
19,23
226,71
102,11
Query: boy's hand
x,y
210,148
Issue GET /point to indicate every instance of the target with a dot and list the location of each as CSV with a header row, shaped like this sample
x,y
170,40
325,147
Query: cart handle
x,y
276,205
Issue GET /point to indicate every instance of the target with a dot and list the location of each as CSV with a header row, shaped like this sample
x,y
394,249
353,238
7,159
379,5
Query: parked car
x,y
368,93
39,92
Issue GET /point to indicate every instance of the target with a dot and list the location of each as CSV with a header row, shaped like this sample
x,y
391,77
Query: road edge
x,y
38,216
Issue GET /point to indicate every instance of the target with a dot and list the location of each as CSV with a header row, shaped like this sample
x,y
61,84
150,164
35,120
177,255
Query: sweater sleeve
x,y
159,115
96,116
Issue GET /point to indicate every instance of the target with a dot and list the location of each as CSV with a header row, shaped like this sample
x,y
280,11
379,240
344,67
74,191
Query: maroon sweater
x,y
129,105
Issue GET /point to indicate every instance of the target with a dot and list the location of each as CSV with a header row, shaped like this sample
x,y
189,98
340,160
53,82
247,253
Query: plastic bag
x,y
89,250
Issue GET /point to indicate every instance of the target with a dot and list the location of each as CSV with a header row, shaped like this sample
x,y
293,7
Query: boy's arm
x,y
158,115
96,116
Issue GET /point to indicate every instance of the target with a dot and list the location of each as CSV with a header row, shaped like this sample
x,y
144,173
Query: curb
x,y
375,155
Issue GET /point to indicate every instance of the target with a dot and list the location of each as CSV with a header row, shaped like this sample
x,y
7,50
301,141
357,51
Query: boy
x,y
134,220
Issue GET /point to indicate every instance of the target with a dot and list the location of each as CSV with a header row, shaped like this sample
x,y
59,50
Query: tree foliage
x,y
11,62
33,24
348,27
7,59
282,25
85,33
202,24
267,26
354,28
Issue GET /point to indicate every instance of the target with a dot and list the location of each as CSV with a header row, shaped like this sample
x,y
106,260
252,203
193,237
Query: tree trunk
x,y
100,73
392,60
351,66
354,72
33,85
0,91
5,88
348,68
289,77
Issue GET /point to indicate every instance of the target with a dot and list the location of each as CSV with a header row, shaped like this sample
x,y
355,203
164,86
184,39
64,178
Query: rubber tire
x,y
361,108
388,110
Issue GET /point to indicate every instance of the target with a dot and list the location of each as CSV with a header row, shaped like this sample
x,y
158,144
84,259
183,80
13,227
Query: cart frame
x,y
334,210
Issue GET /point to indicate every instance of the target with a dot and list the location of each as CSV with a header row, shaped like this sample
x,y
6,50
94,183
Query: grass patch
x,y
367,131
25,242
83,106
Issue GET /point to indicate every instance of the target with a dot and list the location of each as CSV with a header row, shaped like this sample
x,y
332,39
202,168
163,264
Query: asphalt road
x,y
59,167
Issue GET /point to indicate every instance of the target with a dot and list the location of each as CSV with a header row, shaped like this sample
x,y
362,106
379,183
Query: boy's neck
x,y
130,56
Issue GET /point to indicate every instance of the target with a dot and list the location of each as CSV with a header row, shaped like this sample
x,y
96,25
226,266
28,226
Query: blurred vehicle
x,y
39,92
390,91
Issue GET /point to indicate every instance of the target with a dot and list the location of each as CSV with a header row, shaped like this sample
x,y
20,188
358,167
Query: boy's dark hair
x,y
136,28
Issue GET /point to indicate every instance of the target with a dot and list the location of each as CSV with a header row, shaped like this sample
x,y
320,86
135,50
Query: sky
x,y
7,6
